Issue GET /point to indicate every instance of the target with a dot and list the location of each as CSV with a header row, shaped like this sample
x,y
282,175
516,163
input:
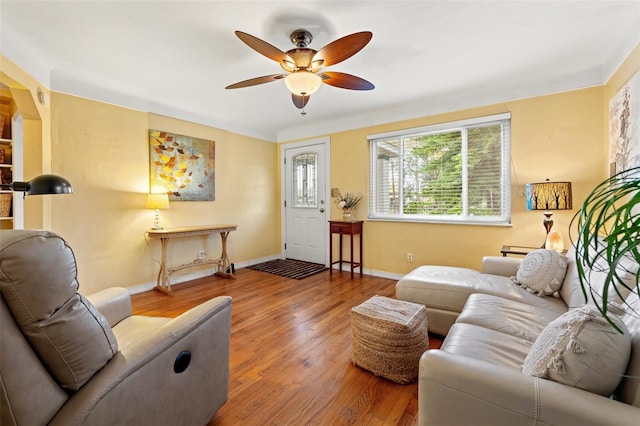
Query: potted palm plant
x,y
608,233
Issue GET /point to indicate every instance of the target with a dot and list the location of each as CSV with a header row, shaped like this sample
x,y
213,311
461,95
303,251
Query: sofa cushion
x,y
571,290
487,345
507,316
39,284
581,349
629,389
448,288
542,272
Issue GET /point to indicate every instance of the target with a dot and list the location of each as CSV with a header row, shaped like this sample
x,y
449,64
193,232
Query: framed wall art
x,y
182,165
624,127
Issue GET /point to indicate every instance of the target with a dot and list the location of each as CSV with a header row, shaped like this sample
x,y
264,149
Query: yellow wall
x,y
557,136
103,151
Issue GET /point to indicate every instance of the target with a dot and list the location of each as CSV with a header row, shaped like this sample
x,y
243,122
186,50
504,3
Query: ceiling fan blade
x,y
300,101
346,81
257,80
263,47
343,48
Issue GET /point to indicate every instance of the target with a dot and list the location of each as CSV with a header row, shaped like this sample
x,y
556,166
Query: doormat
x,y
290,268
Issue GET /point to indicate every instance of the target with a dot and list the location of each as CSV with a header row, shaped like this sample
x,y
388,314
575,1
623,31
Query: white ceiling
x,y
426,57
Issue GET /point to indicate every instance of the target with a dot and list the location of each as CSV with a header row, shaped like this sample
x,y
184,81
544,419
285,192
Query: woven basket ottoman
x,y
388,337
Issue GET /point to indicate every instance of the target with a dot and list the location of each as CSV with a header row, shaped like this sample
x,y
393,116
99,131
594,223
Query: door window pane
x,y
305,176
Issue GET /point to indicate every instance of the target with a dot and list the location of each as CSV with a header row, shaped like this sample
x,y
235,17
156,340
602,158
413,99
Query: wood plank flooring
x,y
291,347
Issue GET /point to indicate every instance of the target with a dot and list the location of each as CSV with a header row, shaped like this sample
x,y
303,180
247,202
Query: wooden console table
x,y
345,227
165,273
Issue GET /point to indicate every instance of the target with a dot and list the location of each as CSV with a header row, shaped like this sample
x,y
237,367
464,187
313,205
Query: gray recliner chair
x,y
67,359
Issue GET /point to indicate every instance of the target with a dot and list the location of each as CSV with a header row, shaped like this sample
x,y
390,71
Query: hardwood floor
x,y
291,347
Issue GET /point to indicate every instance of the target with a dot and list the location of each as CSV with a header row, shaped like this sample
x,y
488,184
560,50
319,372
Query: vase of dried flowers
x,y
347,202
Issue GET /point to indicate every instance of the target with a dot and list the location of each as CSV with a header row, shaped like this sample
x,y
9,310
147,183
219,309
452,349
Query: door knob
x,y
321,210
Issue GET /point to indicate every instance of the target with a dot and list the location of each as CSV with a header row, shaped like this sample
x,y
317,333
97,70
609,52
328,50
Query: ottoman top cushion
x,y
397,313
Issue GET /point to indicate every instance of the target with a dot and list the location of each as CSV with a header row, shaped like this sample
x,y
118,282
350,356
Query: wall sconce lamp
x,y
158,201
548,196
40,185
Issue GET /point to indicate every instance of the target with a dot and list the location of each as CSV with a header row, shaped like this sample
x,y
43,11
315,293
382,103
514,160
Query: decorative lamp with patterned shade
x,y
549,196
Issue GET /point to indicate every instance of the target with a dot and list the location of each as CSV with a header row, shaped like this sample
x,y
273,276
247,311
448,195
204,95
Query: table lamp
x,y
548,196
157,202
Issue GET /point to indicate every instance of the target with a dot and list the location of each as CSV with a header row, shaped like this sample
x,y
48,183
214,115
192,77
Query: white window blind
x,y
451,172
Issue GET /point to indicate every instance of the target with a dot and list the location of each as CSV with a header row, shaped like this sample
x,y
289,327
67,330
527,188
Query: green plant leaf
x,y
608,233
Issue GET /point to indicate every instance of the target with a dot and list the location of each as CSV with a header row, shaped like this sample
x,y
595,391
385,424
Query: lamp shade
x,y
158,201
549,196
303,83
43,184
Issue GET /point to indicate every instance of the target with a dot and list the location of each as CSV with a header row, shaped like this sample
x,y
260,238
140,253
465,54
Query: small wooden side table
x,y
520,250
345,227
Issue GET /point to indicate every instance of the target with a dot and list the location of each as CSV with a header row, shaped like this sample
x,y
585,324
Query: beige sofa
x,y
67,359
491,325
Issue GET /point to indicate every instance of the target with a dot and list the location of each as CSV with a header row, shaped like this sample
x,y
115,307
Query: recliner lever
x,y
182,362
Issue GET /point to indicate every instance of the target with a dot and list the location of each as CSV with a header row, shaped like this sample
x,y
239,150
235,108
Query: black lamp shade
x,y
43,184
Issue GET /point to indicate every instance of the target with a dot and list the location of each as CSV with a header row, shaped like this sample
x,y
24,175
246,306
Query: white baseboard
x,y
383,274
259,260
373,272
141,288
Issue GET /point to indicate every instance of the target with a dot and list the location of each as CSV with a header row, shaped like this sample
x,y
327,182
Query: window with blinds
x,y
453,172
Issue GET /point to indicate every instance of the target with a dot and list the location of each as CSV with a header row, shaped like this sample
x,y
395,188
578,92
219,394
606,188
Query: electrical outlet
x,y
201,254
409,257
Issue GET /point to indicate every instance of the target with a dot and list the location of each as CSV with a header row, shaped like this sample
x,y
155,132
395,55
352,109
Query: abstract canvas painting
x,y
624,127
182,165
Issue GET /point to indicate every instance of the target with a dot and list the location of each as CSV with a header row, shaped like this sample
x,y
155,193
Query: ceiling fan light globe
x,y
303,83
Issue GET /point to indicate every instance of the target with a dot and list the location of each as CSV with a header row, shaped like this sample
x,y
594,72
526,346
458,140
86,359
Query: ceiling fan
x,y
304,65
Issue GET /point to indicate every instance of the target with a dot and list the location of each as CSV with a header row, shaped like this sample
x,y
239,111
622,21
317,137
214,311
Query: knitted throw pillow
x,y
581,349
542,272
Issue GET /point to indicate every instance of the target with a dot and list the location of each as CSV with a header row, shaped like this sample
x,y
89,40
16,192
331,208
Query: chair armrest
x,y
497,265
114,303
140,386
460,390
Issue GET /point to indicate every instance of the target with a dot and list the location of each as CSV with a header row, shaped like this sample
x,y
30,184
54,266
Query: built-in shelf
x,y
6,167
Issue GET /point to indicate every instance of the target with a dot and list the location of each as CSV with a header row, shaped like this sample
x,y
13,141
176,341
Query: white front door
x,y
306,202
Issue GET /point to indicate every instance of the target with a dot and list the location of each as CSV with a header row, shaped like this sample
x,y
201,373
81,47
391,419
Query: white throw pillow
x,y
581,349
542,272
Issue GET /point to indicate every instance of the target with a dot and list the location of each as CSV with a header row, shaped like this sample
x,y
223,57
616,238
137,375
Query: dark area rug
x,y
290,268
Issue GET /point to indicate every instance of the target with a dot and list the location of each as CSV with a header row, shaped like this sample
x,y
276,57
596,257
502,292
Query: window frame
x,y
505,173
